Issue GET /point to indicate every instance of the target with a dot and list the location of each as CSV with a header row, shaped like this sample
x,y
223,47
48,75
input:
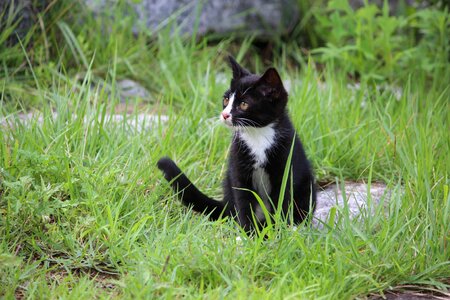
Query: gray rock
x,y
129,89
354,198
259,17
24,12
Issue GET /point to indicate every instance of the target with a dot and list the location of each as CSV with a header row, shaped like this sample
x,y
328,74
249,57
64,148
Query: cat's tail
x,y
188,193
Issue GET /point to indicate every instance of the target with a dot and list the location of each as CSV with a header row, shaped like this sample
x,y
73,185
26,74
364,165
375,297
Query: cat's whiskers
x,y
236,128
247,122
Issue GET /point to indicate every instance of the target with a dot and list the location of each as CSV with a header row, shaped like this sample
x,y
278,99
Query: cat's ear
x,y
238,71
270,84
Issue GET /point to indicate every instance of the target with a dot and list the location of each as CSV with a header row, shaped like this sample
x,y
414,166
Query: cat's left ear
x,y
270,84
238,71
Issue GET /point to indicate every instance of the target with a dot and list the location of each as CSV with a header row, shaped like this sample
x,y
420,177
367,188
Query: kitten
x,y
254,107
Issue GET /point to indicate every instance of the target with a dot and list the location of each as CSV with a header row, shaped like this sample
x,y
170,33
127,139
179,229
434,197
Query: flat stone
x,y
355,198
134,122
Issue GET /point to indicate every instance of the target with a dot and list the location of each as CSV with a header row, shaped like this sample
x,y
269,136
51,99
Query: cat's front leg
x,y
243,209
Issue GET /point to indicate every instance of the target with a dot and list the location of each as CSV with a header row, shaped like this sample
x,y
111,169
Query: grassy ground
x,y
85,213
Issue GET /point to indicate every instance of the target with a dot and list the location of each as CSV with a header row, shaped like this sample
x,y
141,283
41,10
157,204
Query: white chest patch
x,y
258,141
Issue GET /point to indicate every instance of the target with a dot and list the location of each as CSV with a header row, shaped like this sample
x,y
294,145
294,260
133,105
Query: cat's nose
x,y
225,115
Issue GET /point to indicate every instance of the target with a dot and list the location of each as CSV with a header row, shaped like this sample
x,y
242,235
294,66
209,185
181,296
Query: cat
x,y
254,107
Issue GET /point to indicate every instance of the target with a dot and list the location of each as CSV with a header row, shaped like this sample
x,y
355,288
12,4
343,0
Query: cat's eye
x,y
243,105
225,101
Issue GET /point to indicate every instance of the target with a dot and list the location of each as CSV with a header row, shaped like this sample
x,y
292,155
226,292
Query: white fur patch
x,y
262,186
258,140
227,110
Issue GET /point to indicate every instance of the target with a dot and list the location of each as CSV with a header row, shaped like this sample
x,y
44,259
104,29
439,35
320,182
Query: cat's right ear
x,y
238,71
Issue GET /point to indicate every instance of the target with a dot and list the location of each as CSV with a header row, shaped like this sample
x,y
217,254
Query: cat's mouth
x,y
228,123
226,119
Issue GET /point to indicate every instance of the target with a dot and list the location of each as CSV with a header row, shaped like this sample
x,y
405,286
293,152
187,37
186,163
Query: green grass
x,y
85,213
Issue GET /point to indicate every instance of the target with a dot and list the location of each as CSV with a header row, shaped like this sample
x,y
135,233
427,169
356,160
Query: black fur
x,y
266,99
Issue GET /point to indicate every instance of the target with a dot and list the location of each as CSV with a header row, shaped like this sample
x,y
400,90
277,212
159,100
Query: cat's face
x,y
253,100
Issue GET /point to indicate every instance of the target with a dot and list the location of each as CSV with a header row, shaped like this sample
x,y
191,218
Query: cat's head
x,y
253,100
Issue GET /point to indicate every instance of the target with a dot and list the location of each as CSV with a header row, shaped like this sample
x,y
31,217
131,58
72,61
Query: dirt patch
x,y
415,292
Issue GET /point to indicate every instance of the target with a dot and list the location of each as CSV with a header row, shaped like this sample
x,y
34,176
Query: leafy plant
x,y
372,43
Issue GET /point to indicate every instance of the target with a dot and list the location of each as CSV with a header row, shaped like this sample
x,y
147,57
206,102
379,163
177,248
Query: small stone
x,y
131,89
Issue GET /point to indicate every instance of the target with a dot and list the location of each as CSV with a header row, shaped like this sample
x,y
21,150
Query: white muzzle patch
x,y
227,110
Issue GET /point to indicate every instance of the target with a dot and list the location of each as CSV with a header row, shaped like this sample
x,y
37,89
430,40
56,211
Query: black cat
x,y
255,108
